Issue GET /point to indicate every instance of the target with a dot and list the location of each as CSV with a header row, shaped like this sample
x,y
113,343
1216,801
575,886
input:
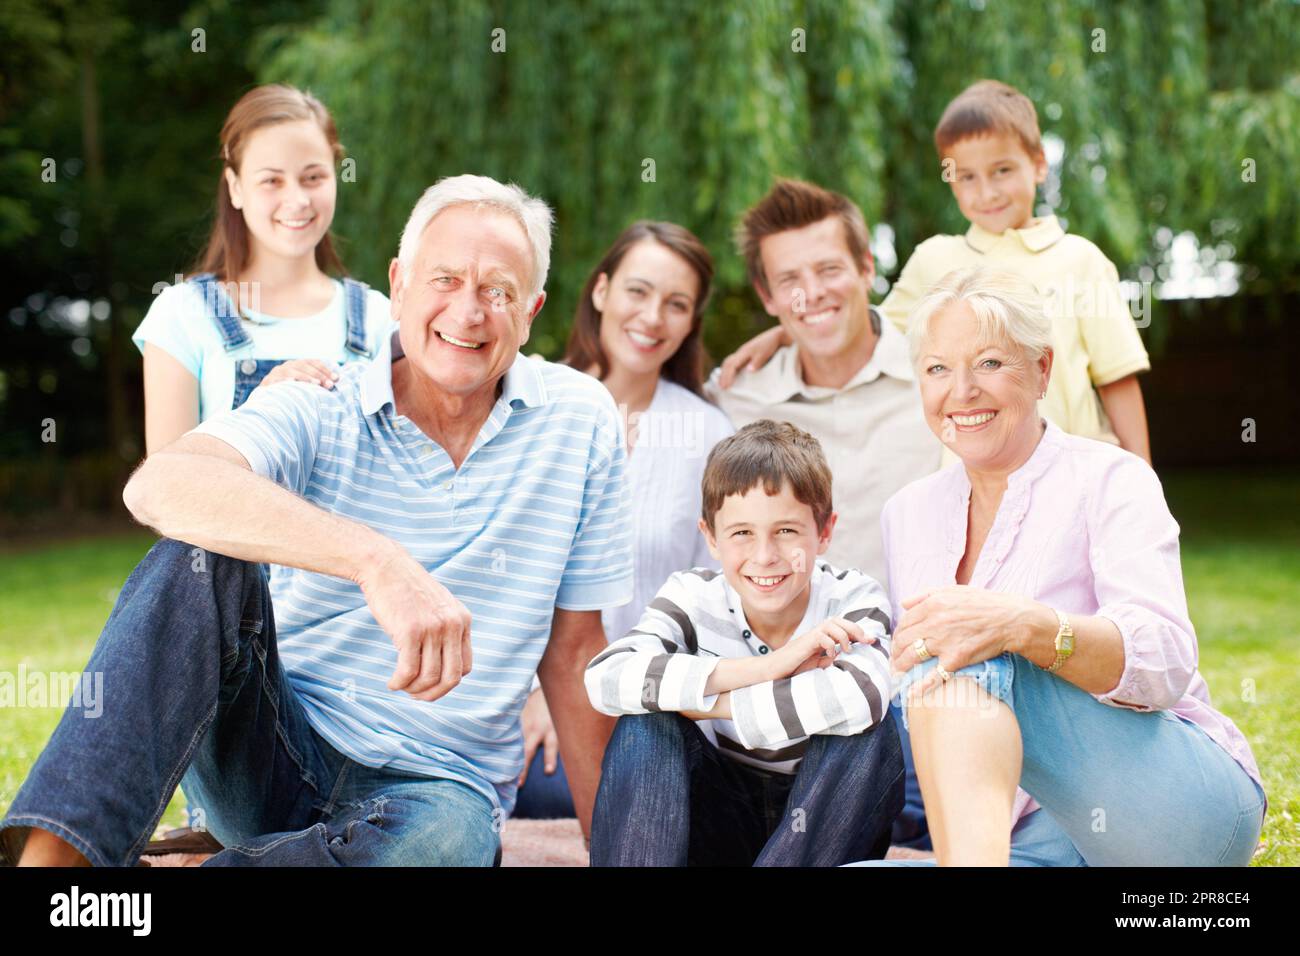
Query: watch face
x,y
1067,643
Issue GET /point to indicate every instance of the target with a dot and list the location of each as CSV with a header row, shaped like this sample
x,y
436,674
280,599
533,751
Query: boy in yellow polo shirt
x,y
992,155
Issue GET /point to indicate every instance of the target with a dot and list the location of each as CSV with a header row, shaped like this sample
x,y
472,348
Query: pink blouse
x,y
1083,526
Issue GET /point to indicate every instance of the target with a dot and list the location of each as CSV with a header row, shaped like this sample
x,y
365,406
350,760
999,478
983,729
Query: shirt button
x,y
762,649
448,485
747,635
248,366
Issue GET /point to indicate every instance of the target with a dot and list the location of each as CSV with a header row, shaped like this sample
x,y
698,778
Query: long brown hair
x,y
687,365
227,250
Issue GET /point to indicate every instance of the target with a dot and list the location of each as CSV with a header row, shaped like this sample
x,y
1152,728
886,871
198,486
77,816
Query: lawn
x,y
1241,563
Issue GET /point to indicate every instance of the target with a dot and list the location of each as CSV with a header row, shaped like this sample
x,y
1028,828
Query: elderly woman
x,y
1041,624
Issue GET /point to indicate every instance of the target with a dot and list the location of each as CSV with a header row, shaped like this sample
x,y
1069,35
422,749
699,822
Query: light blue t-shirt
x,y
536,517
179,323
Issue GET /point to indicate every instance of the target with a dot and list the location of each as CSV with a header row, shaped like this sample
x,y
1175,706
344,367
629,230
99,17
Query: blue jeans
x,y
667,797
544,797
1127,788
911,828
192,679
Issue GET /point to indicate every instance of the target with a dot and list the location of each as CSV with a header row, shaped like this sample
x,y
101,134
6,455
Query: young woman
x,y
637,329
261,304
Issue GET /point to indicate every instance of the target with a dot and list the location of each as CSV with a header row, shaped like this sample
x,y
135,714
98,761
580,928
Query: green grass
x,y
1241,564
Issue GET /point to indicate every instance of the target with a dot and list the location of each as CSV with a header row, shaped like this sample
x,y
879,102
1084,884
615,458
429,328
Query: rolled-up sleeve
x,y
1138,578
846,698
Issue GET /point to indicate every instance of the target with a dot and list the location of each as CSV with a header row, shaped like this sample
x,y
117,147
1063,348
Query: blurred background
x,y
1172,128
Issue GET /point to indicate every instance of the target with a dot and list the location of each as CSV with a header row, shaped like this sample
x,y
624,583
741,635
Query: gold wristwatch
x,y
1064,642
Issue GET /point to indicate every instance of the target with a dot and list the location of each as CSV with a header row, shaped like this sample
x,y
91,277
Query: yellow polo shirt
x,y
1095,340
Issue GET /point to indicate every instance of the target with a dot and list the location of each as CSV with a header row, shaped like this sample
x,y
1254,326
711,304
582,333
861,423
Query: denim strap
x,y
222,311
355,299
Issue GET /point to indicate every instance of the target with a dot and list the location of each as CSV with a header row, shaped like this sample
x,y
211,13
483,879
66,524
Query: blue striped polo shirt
x,y
537,517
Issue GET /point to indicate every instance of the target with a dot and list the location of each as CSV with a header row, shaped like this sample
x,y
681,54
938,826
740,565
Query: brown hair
x,y
793,204
773,453
226,253
686,366
985,108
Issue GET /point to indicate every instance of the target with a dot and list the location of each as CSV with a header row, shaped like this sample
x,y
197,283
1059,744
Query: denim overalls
x,y
249,372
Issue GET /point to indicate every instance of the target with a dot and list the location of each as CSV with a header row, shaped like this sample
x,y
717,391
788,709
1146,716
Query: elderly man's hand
x,y
962,625
428,625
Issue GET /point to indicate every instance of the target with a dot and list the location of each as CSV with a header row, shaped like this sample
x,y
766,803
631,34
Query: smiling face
x,y
980,397
816,289
462,311
647,307
995,180
285,188
767,546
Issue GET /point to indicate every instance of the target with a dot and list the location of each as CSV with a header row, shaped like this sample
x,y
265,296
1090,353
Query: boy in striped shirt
x,y
754,722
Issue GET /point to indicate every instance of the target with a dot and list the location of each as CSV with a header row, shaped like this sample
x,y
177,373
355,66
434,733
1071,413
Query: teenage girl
x,y
262,304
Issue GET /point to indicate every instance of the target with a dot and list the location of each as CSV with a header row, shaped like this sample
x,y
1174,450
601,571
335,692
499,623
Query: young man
x,y
756,727
847,378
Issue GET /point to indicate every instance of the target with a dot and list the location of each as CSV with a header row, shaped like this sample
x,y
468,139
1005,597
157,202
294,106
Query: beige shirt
x,y
1095,340
872,431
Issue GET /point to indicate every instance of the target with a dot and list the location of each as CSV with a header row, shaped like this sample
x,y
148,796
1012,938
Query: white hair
x,y
482,192
1007,308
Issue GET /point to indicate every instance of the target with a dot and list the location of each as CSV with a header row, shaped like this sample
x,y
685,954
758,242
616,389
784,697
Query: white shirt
x,y
697,619
674,437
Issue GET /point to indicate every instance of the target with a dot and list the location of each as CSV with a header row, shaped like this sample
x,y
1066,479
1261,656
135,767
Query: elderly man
x,y
442,524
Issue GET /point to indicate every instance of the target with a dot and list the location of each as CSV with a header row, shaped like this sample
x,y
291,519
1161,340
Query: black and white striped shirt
x,y
697,618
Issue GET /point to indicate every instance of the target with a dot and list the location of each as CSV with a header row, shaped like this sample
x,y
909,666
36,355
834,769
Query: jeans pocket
x,y
1241,845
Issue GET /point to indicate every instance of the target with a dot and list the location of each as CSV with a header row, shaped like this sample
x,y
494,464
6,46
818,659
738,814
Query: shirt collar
x,y
522,382
1013,507
890,357
1035,237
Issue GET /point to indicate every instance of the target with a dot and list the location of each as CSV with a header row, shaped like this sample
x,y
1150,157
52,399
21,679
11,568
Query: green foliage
x,y
1156,115
1165,123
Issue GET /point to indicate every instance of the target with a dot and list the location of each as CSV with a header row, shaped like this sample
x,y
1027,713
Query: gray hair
x,y
482,192
1007,308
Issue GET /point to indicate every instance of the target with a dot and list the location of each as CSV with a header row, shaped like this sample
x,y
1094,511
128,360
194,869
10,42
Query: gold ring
x,y
922,651
943,674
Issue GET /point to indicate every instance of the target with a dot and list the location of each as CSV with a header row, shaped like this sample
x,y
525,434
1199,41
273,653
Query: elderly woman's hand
x,y
962,625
